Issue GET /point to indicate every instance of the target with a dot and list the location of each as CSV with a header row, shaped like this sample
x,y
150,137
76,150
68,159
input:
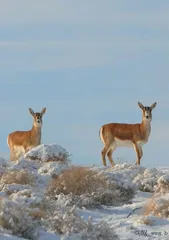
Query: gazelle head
x,y
37,117
147,111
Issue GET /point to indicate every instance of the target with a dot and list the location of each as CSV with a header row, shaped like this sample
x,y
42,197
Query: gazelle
x,y
114,135
23,141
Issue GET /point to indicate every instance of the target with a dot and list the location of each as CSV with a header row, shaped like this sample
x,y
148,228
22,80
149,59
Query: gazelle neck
x,y
37,129
146,127
36,134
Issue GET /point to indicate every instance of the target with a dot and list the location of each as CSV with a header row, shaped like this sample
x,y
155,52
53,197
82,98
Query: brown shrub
x,y
77,180
158,205
157,208
149,207
146,220
18,177
162,186
4,223
37,214
84,187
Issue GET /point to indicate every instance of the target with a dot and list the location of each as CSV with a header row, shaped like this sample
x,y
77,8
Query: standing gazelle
x,y
114,135
23,141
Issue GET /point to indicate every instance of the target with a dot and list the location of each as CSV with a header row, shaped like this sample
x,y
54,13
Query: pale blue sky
x,y
88,62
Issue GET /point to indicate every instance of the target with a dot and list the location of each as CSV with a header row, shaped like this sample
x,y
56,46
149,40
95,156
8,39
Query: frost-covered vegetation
x,y
43,194
86,187
158,205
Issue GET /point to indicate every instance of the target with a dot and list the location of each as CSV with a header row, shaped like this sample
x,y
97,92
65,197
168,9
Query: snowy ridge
x,y
27,212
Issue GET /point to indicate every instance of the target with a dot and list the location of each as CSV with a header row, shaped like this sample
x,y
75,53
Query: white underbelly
x,y
123,143
127,143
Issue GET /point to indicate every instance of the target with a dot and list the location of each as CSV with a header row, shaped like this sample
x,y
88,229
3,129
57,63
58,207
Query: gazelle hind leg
x,y
110,153
105,150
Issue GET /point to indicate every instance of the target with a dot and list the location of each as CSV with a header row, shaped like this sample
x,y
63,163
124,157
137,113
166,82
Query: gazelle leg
x,y
12,154
139,153
104,151
109,154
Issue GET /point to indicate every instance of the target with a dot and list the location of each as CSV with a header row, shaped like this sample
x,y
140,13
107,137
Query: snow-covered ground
x,y
27,212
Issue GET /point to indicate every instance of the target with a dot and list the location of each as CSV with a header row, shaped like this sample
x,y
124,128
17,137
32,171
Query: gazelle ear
x,y
31,111
140,105
153,105
43,111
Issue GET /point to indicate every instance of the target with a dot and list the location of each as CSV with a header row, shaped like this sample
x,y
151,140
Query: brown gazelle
x,y
114,135
20,142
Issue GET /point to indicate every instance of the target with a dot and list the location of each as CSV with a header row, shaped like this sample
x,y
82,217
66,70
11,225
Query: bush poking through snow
x,y
145,220
99,231
159,204
162,186
69,223
14,218
37,213
85,187
77,180
147,180
66,223
158,207
18,177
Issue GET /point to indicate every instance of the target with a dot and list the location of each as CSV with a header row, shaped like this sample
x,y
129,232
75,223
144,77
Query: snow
x,y
43,163
164,179
45,153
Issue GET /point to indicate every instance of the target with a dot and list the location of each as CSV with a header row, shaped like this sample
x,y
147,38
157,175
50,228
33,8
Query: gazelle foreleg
x,y
139,152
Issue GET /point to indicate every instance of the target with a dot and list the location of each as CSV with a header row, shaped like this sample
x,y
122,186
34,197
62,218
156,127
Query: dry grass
x,y
18,177
37,214
156,208
149,207
146,220
4,223
161,188
86,188
15,218
163,210
77,180
158,205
